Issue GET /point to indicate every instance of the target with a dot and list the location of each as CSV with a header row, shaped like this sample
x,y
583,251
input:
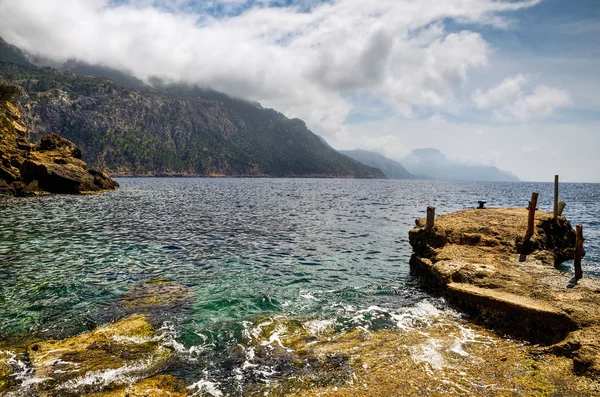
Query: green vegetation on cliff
x,y
169,130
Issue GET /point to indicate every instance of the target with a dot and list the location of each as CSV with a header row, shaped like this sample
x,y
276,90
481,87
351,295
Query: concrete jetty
x,y
483,262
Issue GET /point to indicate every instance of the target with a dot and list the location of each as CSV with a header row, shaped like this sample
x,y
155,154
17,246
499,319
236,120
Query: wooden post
x,y
430,216
531,219
578,253
555,197
561,207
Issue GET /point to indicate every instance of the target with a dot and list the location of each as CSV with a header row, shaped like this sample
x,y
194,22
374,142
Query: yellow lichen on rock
x,y
157,386
53,166
482,261
437,359
5,371
105,358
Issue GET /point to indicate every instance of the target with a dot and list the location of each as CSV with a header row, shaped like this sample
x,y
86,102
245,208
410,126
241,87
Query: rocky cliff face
x,y
136,129
53,166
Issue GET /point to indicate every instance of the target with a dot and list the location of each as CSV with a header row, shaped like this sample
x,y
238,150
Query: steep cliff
x,y
53,166
170,129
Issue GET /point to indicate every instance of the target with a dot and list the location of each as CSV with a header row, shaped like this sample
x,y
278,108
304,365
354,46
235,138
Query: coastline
x,y
478,259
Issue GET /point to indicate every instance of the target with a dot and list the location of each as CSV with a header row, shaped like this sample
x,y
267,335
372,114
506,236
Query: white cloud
x,y
539,105
511,103
303,63
508,90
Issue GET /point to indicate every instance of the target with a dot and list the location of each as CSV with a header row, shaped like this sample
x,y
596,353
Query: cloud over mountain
x,y
304,58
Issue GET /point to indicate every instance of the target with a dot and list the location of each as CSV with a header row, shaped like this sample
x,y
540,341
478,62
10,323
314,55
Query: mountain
x,y
136,129
390,168
433,163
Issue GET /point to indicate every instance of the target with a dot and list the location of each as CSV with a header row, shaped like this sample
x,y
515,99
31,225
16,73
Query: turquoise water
x,y
324,249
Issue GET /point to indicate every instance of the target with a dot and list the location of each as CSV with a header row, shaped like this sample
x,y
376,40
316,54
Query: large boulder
x,y
56,143
53,166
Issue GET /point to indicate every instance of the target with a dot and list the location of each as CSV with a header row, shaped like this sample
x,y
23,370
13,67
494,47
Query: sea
x,y
328,253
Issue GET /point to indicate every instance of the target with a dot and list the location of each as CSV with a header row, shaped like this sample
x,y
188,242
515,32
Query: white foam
x,y
206,386
316,327
276,338
122,375
429,353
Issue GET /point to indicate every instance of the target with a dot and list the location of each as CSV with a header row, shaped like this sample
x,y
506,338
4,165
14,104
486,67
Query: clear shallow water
x,y
330,250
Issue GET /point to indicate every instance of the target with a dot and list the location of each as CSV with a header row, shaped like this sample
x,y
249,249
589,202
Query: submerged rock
x,y
106,358
53,166
480,259
155,296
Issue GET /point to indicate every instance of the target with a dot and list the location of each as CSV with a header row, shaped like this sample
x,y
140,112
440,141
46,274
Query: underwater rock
x,y
481,261
104,359
156,296
53,166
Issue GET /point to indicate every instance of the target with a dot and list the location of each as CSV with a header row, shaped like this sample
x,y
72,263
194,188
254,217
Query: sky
x,y
510,83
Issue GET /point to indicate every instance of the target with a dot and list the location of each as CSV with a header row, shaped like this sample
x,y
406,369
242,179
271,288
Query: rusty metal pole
x,y
578,253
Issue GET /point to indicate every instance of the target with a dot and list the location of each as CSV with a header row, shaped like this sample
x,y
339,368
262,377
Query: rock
x,y
6,189
481,261
158,386
106,358
54,142
53,166
156,296
32,189
103,181
57,178
5,372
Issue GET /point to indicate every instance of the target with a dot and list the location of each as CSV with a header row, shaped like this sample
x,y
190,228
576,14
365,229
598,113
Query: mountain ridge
x,y
432,162
391,169
169,129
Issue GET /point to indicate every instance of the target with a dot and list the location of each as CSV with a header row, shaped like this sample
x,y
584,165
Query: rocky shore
x,y
478,259
122,358
52,166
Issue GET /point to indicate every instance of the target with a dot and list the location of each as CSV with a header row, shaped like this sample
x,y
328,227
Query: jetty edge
x,y
481,260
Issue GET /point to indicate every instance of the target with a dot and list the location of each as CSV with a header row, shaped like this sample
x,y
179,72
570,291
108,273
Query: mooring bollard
x,y
578,252
531,219
555,197
430,216
561,207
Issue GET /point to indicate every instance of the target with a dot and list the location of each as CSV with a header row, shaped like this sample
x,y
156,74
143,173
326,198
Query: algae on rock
x,y
106,358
